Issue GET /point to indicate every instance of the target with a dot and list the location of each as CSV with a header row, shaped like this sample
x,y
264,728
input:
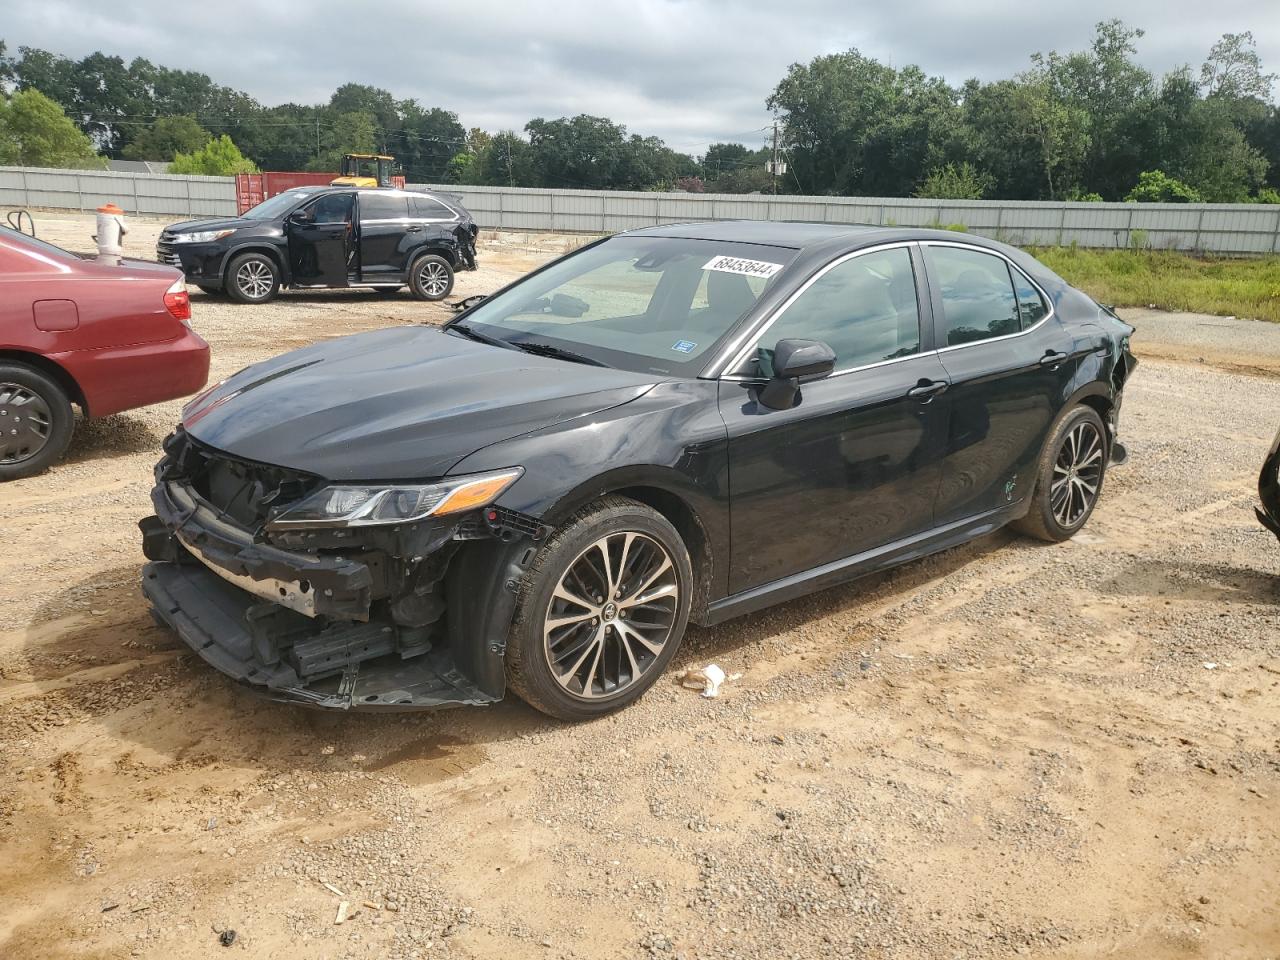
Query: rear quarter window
x,y
429,209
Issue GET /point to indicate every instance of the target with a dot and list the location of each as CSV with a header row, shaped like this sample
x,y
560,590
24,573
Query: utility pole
x,y
317,138
776,167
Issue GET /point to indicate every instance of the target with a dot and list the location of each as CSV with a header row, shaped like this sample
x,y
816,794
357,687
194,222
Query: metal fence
x,y
1238,229
146,193
1246,228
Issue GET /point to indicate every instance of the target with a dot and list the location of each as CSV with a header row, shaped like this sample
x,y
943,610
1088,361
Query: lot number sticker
x,y
747,268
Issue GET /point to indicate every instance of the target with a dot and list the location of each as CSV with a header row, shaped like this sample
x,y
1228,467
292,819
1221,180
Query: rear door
x,y
855,464
385,233
1010,364
320,241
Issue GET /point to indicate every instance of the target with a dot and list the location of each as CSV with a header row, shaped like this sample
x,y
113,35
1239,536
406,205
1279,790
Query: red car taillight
x,y
178,302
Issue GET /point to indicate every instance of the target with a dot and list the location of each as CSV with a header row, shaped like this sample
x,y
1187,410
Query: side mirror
x,y
302,217
795,361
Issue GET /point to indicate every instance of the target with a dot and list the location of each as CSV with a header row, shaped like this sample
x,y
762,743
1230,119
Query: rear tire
x,y
1069,477
431,277
36,421
590,636
252,278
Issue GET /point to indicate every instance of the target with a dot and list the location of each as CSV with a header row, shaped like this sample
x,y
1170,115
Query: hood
x,y
213,223
399,404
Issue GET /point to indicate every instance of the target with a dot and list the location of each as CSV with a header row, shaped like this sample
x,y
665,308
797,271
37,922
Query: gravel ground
x,y
1007,749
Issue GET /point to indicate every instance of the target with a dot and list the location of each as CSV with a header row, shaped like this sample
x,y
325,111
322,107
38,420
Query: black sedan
x,y
327,237
683,423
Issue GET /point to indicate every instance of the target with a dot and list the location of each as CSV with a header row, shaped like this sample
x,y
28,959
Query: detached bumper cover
x,y
1269,489
214,619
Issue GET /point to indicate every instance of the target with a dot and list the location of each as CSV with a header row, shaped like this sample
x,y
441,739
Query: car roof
x,y
805,236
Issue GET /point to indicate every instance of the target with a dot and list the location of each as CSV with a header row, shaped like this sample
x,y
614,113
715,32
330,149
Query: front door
x,y
321,241
1010,363
855,463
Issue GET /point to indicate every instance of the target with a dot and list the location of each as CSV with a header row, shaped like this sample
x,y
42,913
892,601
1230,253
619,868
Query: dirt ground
x,y
1007,749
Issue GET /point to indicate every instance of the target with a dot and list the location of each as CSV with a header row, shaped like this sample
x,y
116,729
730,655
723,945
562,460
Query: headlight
x,y
201,236
344,505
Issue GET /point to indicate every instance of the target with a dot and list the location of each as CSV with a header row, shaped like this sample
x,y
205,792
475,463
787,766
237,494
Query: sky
x,y
693,72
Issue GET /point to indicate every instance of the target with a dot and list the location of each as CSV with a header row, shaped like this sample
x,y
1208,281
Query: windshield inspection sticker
x,y
684,346
748,268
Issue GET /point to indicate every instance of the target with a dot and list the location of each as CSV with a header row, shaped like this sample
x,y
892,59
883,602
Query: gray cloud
x,y
690,71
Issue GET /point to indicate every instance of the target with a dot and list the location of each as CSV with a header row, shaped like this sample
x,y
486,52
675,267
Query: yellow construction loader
x,y
365,170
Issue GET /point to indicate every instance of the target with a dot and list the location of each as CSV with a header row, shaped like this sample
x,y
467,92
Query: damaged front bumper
x,y
410,617
1269,489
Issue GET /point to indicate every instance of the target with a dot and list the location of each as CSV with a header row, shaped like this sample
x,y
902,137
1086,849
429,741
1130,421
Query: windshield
x,y
276,206
650,304
41,250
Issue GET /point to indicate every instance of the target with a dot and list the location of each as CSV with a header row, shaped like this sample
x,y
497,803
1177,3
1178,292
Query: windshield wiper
x,y
559,353
472,334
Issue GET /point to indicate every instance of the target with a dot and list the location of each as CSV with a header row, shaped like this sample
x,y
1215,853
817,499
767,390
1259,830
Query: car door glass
x,y
865,309
427,209
977,295
381,206
1031,305
330,208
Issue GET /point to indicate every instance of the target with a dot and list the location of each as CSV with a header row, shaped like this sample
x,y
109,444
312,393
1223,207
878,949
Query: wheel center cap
x,y
610,611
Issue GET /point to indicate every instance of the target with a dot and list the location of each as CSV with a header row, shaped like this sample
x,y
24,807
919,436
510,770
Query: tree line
x,y
1086,125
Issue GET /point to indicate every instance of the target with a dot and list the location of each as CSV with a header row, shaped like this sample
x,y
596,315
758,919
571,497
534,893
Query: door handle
x,y
1052,359
926,390
414,230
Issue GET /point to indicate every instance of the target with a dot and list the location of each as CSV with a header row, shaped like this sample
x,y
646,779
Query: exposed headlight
x,y
345,505
201,236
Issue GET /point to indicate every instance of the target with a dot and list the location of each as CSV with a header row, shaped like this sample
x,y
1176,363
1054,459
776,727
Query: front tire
x,y
252,278
36,421
603,609
431,277
1069,478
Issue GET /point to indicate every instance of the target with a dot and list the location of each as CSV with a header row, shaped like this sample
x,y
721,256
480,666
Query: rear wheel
x,y
1069,478
603,611
431,277
252,278
36,421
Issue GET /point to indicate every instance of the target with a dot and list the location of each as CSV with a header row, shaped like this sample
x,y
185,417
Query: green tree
x,y
35,132
1233,70
955,181
348,133
166,138
218,158
1155,186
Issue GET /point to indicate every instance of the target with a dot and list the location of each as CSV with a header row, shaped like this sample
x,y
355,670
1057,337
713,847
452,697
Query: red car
x,y
106,336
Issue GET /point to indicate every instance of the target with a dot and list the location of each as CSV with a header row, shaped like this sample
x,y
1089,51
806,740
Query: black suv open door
x,y
322,242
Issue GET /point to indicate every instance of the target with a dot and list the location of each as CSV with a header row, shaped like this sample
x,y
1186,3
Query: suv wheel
x,y
431,277
1069,478
252,278
602,612
36,421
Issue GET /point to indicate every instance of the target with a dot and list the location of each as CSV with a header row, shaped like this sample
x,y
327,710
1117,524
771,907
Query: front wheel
x,y
602,612
252,278
1069,478
36,421
431,277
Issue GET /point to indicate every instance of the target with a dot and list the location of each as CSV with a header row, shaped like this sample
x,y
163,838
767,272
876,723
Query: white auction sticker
x,y
748,268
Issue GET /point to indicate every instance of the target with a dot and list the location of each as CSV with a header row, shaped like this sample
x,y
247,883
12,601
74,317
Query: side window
x,y
1031,304
383,206
429,209
977,295
331,208
864,309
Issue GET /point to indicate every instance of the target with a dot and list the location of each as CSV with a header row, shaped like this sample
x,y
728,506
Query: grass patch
x,y
1171,280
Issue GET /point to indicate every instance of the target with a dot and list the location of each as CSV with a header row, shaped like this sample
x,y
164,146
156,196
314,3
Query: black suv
x,y
327,237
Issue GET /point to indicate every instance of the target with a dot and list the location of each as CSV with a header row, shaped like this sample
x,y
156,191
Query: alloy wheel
x,y
610,615
254,278
434,278
25,422
1077,474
